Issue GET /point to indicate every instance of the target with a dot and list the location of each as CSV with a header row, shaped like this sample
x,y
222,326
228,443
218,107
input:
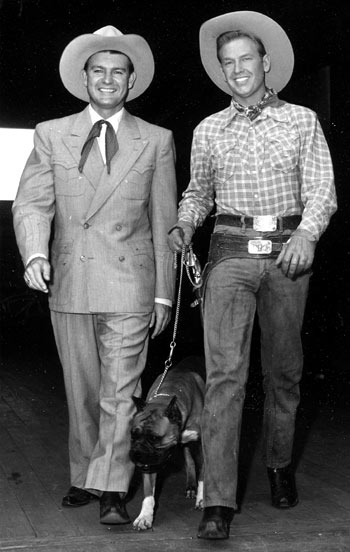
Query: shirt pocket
x,y
282,149
137,184
67,179
225,158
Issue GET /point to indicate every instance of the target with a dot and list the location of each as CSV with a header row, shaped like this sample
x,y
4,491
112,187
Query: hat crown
x,y
109,30
108,38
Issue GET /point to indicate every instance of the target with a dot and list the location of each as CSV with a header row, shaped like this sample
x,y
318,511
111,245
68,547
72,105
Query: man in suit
x,y
104,182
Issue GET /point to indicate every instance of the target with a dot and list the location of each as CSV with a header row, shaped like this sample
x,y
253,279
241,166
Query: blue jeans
x,y
235,290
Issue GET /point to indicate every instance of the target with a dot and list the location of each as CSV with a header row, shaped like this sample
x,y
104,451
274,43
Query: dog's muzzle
x,y
148,458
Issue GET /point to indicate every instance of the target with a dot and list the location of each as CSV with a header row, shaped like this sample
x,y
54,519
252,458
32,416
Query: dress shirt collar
x,y
114,120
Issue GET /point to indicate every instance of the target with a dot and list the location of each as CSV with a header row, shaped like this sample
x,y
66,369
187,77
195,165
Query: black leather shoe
x,y
215,523
112,508
283,488
77,497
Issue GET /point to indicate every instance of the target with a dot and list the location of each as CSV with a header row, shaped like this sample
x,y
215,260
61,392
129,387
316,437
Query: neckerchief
x,y
252,111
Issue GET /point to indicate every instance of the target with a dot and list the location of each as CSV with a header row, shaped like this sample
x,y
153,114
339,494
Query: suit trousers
x,y
103,357
235,290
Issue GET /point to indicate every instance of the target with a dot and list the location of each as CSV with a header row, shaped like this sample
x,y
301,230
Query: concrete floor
x,y
34,468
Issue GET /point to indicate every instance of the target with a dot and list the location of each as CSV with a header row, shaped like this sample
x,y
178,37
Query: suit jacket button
x,y
82,258
122,259
86,225
118,227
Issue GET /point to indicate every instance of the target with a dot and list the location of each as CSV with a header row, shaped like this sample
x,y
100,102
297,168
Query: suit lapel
x,y
75,141
130,147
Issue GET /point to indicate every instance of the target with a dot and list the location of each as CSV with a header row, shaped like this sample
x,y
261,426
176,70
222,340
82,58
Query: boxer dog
x,y
168,418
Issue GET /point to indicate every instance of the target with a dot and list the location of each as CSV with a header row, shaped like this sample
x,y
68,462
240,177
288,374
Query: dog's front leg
x,y
190,473
145,517
194,470
198,455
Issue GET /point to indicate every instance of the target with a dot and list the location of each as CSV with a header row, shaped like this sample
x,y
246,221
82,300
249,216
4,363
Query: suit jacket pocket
x,y
144,271
60,286
143,253
67,179
137,184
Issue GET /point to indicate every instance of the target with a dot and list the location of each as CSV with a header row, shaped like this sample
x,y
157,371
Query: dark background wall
x,y
33,34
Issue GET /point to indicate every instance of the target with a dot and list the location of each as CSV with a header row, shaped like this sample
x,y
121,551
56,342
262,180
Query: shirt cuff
x,y
163,301
180,226
35,256
304,234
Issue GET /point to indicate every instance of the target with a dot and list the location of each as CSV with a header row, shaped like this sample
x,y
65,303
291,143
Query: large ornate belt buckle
x,y
259,247
265,223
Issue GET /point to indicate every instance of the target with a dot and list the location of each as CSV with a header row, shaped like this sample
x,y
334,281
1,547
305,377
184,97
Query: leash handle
x,y
191,262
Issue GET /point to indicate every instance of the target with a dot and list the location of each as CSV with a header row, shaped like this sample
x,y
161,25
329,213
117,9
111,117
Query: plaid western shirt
x,y
278,164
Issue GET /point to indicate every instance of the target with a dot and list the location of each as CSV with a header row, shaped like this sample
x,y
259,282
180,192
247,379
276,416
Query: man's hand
x,y
296,256
37,273
161,316
180,235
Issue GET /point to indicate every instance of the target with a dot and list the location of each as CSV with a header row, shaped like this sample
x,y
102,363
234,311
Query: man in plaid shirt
x,y
264,166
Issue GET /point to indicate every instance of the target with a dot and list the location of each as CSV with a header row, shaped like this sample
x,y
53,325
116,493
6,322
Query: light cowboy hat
x,y
81,48
274,38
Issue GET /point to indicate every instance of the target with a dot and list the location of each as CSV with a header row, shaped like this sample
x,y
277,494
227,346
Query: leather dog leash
x,y
190,261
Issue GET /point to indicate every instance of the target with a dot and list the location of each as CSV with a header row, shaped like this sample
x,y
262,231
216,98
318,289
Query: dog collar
x,y
154,468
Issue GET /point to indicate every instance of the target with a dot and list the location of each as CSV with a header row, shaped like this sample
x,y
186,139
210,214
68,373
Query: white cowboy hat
x,y
81,48
274,38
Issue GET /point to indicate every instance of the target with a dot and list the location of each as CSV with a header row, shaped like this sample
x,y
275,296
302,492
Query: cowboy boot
x,y
283,488
215,523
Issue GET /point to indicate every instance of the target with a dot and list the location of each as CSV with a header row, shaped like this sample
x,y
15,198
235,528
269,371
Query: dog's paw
x,y
142,523
144,520
199,505
190,493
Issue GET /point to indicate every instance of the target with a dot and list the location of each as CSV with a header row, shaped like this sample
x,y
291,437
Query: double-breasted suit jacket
x,y
110,260
109,250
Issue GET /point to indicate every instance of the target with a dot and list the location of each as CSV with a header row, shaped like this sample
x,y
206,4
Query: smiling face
x,y
108,80
244,70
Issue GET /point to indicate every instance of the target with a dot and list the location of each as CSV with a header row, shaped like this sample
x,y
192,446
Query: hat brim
x,y
81,48
274,38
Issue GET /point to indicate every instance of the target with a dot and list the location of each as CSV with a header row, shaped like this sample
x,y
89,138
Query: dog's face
x,y
155,431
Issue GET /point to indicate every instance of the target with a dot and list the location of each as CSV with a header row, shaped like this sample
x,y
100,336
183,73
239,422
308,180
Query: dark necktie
x,y
111,143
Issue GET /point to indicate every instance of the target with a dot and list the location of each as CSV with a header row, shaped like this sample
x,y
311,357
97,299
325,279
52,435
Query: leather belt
x,y
282,223
223,246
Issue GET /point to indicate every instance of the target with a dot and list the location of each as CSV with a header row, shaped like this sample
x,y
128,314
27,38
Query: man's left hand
x,y
296,256
161,316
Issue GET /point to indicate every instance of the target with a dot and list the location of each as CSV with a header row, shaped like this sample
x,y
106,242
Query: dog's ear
x,y
139,403
171,410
